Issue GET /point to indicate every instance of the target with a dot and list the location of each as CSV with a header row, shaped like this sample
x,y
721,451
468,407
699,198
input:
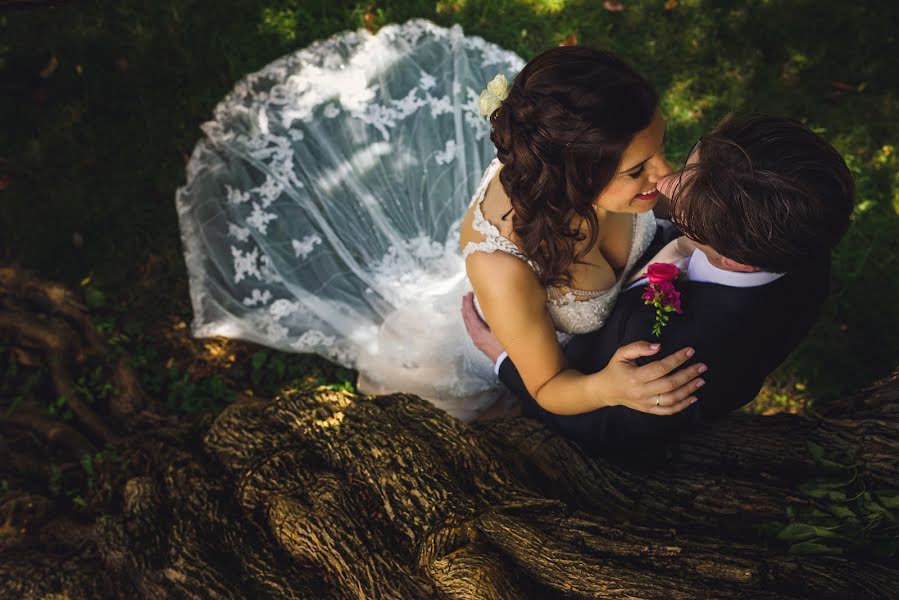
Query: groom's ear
x,y
732,265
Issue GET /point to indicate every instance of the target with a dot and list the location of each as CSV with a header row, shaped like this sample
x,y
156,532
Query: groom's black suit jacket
x,y
742,334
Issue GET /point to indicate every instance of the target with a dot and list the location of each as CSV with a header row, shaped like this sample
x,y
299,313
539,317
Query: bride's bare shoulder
x,y
501,276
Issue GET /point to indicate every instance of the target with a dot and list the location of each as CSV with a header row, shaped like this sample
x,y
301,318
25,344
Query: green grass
x,y
95,150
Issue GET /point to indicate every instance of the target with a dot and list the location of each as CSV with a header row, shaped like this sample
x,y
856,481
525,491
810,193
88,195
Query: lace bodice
x,y
573,311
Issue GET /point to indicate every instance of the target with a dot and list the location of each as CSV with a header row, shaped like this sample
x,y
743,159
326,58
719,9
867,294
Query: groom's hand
x,y
478,330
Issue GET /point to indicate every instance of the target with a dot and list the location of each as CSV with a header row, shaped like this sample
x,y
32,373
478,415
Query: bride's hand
x,y
649,388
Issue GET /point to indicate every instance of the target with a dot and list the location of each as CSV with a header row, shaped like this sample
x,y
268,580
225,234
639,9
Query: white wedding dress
x,y
322,208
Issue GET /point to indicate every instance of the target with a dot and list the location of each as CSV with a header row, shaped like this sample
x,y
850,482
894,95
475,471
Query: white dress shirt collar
x,y
700,269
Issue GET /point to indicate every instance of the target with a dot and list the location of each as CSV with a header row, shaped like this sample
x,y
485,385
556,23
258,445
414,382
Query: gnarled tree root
x,y
327,494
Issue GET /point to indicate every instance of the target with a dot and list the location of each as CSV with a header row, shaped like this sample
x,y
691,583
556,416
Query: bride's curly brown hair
x,y
560,133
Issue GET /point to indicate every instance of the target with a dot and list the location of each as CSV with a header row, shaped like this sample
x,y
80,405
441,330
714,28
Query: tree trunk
x,y
326,494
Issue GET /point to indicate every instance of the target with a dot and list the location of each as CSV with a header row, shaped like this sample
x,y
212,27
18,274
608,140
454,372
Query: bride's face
x,y
643,164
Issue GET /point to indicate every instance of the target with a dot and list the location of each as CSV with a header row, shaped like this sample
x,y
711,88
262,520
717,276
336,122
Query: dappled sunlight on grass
x,y
682,106
98,143
780,395
449,7
220,351
896,193
280,22
886,160
542,7
793,66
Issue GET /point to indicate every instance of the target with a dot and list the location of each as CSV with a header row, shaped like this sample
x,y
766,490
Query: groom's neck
x,y
725,264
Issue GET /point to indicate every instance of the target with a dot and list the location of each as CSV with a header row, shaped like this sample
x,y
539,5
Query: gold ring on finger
x,y
658,399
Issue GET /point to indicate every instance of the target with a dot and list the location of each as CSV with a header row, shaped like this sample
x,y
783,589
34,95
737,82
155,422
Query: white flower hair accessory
x,y
490,99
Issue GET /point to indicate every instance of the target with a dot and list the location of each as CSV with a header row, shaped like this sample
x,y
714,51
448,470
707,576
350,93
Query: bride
x,y
566,212
325,208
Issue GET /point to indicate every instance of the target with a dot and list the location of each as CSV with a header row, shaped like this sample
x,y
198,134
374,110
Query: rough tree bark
x,y
326,494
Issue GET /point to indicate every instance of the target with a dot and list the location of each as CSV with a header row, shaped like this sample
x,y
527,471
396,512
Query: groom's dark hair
x,y
765,191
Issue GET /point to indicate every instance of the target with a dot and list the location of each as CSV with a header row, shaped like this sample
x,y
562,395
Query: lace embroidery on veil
x,y
322,206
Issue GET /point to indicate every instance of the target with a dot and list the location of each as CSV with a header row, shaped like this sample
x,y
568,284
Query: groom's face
x,y
669,185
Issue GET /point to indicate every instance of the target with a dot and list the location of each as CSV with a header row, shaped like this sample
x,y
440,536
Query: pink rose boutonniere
x,y
661,294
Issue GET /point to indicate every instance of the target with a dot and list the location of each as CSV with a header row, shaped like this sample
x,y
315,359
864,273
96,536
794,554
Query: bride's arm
x,y
514,305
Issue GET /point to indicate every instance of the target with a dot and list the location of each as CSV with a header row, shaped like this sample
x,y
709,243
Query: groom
x,y
760,203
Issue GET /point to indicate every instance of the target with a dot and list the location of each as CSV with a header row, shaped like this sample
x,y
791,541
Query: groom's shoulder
x,y
713,313
713,310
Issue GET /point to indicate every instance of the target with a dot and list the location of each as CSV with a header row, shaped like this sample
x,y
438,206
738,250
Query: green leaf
x,y
87,464
771,529
796,532
841,512
94,298
827,532
816,514
806,548
816,451
833,466
853,529
889,498
259,359
279,366
816,490
875,507
257,362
